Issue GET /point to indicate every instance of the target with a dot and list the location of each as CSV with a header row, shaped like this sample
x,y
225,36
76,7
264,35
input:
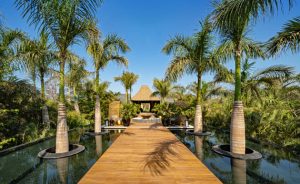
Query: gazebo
x,y
145,99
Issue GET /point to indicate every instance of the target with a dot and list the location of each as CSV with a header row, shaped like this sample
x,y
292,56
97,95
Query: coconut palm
x,y
231,19
66,21
128,79
102,53
193,55
287,39
163,88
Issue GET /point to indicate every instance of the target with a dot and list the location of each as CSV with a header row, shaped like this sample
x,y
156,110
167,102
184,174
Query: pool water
x,y
276,166
24,166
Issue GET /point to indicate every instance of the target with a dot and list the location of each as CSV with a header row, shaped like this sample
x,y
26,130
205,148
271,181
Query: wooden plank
x,y
148,153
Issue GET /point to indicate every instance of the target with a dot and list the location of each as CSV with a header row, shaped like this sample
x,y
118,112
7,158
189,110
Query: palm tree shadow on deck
x,y
157,126
159,160
128,133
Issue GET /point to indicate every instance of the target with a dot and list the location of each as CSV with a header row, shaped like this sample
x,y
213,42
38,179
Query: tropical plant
x,y
287,39
9,40
38,56
102,54
193,55
129,111
231,19
66,21
162,88
76,75
128,79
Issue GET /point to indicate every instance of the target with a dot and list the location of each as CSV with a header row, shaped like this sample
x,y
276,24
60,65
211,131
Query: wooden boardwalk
x,y
148,153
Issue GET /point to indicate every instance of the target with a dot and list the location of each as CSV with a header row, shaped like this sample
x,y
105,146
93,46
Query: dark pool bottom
x,y
23,166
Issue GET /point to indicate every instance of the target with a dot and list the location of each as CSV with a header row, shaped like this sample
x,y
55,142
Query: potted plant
x,y
129,111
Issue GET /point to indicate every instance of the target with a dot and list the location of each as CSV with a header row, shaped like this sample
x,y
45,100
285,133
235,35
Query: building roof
x,y
144,94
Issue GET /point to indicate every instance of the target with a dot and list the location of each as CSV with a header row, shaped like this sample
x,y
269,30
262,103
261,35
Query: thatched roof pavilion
x,y
145,99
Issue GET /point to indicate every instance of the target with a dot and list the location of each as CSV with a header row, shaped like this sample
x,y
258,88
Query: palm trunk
x,y
130,95
239,171
198,125
45,114
237,127
76,106
97,107
62,140
126,95
98,139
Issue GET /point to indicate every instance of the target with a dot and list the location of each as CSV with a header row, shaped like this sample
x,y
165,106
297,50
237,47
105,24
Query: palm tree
x,y
38,56
287,39
8,38
66,21
193,56
76,75
102,54
128,79
163,88
231,19
253,85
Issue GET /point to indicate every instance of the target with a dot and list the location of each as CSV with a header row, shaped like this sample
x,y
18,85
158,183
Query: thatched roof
x,y
144,94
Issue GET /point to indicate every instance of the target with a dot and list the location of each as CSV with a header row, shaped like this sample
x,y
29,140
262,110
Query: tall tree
x,y
76,75
231,19
287,39
193,55
102,53
128,79
38,56
163,88
66,21
8,40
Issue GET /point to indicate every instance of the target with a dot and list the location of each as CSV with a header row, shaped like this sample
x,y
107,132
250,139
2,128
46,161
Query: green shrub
x,y
76,120
129,111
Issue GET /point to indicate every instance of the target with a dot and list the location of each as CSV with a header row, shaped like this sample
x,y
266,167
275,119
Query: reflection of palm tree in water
x,y
98,139
199,147
63,169
239,168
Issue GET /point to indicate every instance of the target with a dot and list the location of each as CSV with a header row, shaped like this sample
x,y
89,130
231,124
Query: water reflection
x,y
199,147
239,171
98,140
62,165
276,166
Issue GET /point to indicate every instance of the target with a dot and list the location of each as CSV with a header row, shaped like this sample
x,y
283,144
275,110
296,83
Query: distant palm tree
x,y
287,39
193,56
76,75
8,38
38,56
128,79
102,53
66,21
254,84
163,88
231,19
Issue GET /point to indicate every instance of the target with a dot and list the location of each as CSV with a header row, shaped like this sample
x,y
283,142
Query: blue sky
x,y
146,25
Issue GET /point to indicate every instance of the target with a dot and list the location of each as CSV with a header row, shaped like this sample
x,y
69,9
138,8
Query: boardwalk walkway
x,y
148,153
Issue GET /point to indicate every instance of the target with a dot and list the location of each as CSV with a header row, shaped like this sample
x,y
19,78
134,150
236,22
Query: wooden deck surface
x,y
148,153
